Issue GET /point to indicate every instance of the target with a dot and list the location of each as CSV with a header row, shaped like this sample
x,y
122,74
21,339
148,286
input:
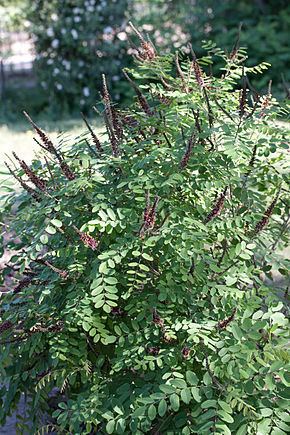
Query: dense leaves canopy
x,y
142,305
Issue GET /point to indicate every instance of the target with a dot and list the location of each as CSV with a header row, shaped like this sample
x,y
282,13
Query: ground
x,y
19,137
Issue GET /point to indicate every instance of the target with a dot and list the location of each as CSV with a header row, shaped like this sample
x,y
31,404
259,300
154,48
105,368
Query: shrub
x,y
75,42
139,303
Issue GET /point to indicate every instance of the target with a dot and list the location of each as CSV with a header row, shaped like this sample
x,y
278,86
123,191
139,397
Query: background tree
x,y
264,33
76,41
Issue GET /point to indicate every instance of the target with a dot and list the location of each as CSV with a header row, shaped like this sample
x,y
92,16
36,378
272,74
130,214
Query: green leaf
x,y
209,404
107,308
57,223
103,268
139,411
230,280
195,394
174,402
242,430
110,339
225,406
121,425
237,332
44,239
152,412
111,214
167,389
266,412
50,230
191,378
110,427
147,257
264,427
186,395
86,326
110,280
162,407
178,383
225,416
100,303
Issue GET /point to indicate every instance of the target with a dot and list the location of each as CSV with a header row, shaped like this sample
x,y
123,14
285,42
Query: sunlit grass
x,y
19,137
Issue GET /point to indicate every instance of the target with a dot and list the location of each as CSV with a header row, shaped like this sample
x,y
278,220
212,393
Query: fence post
x,y
2,81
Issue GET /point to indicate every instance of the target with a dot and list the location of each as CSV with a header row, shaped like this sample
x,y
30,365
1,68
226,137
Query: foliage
x,y
264,30
12,16
75,42
140,305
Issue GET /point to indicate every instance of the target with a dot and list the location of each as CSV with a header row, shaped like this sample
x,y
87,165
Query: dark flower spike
x,y
196,68
236,46
67,171
106,99
252,160
147,50
110,110
107,102
142,100
5,326
47,143
185,352
22,284
117,311
188,151
62,273
37,181
136,31
152,52
218,206
112,138
180,72
112,123
149,215
153,350
265,219
150,221
25,186
93,135
147,207
224,323
156,318
209,111
266,100
87,240
197,120
165,84
243,96
48,146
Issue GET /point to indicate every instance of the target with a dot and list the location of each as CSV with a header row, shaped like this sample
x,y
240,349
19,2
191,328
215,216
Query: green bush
x,y
140,304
